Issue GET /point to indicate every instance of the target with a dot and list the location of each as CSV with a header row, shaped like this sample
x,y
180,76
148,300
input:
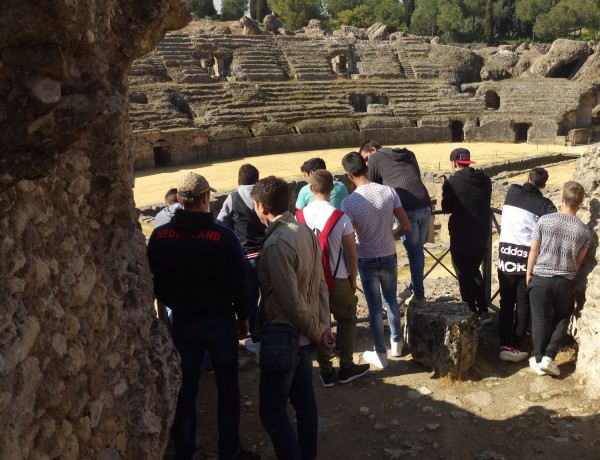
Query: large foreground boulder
x,y
443,336
86,371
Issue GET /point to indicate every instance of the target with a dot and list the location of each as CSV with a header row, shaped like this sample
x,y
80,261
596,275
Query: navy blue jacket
x,y
198,267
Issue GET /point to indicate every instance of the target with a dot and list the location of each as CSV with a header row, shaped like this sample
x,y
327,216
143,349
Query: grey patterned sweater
x,y
561,237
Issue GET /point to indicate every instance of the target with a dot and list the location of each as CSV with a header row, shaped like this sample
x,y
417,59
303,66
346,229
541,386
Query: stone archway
x,y
458,134
521,131
492,100
162,155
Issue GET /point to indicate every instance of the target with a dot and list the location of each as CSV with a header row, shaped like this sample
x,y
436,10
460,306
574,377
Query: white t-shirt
x,y
371,208
316,215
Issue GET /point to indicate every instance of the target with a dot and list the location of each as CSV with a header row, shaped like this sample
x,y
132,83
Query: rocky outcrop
x,y
499,66
85,370
562,53
315,29
351,32
442,336
590,70
272,24
250,26
377,31
457,65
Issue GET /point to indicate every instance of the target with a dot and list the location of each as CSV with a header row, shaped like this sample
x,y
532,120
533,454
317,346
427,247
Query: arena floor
x,y
151,185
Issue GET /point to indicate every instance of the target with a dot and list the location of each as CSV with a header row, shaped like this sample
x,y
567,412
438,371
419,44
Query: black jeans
x,y
253,291
552,303
297,385
219,337
513,323
466,266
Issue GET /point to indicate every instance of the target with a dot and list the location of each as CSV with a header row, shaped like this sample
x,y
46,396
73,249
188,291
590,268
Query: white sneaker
x,y
379,360
252,346
536,366
512,354
396,348
549,366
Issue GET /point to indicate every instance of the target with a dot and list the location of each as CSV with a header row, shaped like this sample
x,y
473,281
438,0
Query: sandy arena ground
x,y
151,185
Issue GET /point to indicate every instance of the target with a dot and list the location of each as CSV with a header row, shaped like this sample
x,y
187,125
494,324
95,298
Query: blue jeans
x,y
413,243
297,385
376,272
219,337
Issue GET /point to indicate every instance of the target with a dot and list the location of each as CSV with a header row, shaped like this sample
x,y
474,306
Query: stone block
x,y
443,336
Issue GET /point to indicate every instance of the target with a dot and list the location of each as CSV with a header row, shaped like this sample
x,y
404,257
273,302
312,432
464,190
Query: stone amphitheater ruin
x,y
86,372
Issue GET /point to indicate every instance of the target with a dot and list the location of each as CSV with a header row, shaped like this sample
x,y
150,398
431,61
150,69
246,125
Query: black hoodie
x,y
398,168
198,268
467,196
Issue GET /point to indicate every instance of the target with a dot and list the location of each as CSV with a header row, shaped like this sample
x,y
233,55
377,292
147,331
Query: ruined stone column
x,y
85,370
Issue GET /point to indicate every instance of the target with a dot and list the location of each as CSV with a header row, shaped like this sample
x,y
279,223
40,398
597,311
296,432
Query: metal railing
x,y
486,265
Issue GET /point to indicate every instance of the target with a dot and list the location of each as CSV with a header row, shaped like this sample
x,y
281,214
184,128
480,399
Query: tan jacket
x,y
292,283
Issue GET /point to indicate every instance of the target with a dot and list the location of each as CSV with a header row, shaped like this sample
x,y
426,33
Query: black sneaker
x,y
355,371
485,318
327,379
244,454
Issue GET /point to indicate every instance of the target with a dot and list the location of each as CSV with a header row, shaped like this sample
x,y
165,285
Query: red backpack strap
x,y
335,216
300,216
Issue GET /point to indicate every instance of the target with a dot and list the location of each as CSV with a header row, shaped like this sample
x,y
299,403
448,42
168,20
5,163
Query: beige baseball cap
x,y
193,185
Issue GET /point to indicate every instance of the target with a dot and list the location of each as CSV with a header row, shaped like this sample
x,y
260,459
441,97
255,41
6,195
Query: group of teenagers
x,y
258,269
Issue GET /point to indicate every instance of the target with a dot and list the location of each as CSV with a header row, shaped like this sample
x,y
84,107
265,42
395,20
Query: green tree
x,y
424,19
449,18
361,16
253,9
389,12
501,12
527,12
409,6
295,14
333,7
474,9
232,10
201,8
262,9
488,23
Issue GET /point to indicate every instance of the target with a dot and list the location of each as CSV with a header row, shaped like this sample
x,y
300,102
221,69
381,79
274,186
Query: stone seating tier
x,y
288,102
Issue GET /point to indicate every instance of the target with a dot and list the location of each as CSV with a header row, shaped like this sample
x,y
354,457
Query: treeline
x,y
453,20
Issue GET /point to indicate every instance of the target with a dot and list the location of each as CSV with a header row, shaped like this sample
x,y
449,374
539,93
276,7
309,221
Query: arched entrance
x,y
458,135
162,156
521,131
492,100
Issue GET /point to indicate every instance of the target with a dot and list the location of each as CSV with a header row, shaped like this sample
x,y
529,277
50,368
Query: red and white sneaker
x,y
512,354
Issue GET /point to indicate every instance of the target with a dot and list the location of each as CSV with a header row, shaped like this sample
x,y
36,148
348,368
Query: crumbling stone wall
x,y
586,321
84,370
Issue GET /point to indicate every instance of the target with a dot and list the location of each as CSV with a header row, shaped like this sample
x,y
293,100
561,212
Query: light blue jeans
x,y
375,273
413,243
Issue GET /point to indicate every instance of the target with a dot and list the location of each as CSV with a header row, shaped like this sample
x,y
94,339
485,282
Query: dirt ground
x,y
497,410
151,185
